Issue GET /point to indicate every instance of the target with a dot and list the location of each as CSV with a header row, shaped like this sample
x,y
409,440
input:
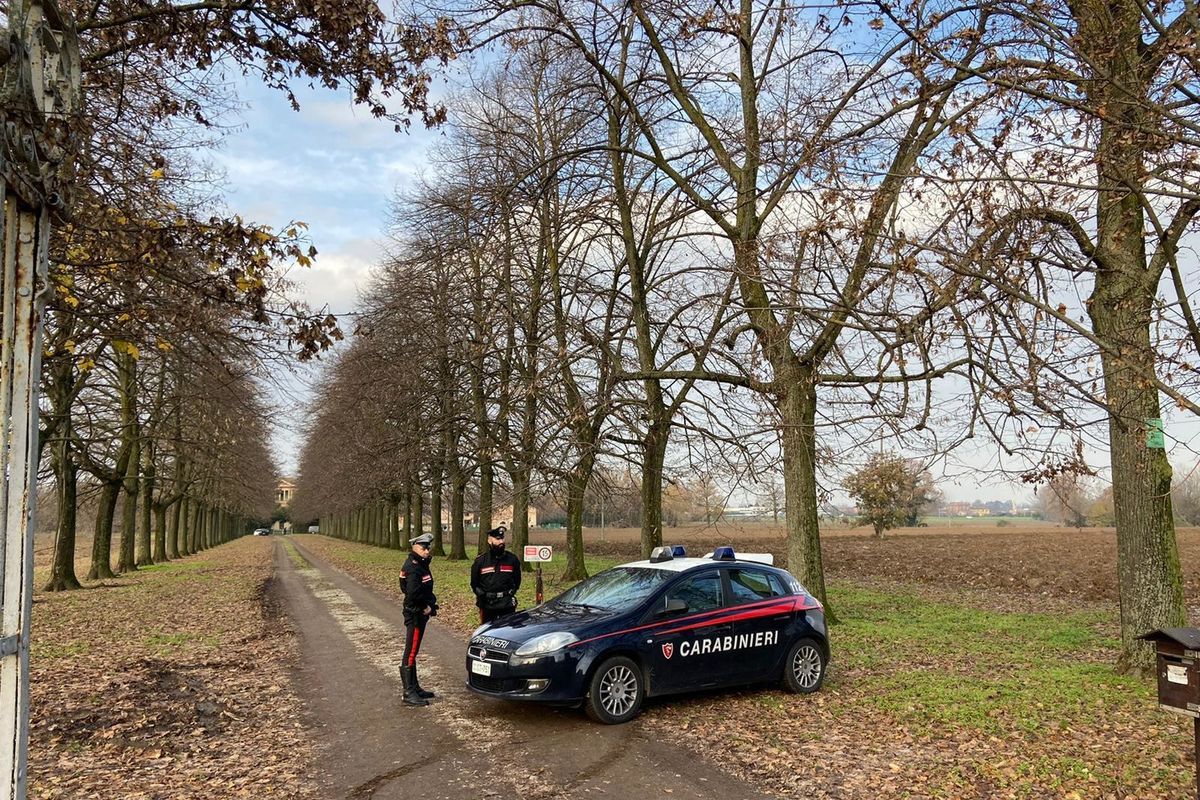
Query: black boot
x,y
408,678
417,685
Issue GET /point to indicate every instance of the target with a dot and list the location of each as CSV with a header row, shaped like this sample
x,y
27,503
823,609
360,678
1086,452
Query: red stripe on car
x,y
748,611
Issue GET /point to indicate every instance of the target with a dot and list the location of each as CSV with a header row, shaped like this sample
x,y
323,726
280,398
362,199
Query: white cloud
x,y
338,275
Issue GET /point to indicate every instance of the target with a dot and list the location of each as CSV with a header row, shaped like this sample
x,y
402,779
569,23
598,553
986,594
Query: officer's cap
x,y
497,533
424,538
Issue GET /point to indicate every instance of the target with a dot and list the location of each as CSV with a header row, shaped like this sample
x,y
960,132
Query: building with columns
x,y
283,492
283,497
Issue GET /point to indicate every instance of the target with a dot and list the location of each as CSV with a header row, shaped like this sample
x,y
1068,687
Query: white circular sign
x,y
544,553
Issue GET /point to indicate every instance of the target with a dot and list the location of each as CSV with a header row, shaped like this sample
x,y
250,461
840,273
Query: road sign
x,y
538,552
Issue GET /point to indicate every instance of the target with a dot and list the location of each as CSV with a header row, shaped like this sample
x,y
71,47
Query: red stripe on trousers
x,y
412,654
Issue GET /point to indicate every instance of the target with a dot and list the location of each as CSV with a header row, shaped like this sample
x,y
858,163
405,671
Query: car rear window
x,y
749,585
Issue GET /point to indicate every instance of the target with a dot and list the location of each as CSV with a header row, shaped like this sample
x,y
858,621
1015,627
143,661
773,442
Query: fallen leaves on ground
x,y
839,744
172,682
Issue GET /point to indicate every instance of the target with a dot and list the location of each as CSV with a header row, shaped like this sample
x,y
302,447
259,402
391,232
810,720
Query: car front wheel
x,y
616,691
804,669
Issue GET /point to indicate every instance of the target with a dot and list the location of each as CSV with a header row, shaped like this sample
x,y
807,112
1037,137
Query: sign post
x,y
538,553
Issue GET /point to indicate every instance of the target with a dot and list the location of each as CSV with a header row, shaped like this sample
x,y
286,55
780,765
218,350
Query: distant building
x,y
283,497
501,515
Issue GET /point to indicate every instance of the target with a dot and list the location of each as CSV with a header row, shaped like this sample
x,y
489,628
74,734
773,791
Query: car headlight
x,y
546,643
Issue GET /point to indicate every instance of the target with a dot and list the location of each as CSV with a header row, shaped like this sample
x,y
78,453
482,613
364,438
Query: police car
x,y
657,627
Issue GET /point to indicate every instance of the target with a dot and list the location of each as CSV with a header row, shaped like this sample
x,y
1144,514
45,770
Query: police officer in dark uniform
x,y
420,603
495,578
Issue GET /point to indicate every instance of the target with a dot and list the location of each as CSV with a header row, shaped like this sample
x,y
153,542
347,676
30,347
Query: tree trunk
x,y
577,483
1121,307
125,559
408,518
102,541
654,444
1150,580
419,510
160,533
62,570
798,413
487,479
520,519
173,530
145,532
435,517
458,536
654,453
131,442
393,529
187,525
203,525
195,521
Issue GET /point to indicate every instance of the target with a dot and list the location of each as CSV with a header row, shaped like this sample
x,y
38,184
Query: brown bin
x,y
1178,669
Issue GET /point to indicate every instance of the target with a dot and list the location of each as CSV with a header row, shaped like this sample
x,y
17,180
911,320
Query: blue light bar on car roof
x,y
661,554
723,554
678,551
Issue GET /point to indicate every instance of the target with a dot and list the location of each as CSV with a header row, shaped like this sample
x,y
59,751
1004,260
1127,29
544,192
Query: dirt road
x,y
462,746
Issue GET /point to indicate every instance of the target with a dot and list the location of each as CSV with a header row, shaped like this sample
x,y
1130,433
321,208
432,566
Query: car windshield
x,y
615,589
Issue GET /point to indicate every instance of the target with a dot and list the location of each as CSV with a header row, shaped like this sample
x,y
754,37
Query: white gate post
x,y
39,67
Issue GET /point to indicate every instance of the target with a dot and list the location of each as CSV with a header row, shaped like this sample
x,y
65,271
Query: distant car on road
x,y
262,531
667,625
314,528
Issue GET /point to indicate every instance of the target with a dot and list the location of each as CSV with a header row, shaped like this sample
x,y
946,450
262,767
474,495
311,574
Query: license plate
x,y
481,668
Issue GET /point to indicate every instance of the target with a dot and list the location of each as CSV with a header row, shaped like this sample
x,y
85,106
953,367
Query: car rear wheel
x,y
804,669
616,691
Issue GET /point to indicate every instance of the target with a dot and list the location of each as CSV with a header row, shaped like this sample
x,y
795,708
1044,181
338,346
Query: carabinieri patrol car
x,y
657,627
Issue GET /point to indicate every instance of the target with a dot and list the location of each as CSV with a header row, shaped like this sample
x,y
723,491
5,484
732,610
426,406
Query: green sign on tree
x,y
1154,434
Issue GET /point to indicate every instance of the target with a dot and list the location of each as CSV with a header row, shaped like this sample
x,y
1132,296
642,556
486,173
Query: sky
x,y
336,168
330,165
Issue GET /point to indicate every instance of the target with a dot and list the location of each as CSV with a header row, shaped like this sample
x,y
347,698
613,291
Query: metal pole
x,y
26,241
40,83
538,590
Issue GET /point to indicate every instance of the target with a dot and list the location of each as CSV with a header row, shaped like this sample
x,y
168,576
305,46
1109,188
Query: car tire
x,y
616,691
805,666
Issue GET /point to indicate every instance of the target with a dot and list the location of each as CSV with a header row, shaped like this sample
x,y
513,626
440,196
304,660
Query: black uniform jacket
x,y
416,581
495,579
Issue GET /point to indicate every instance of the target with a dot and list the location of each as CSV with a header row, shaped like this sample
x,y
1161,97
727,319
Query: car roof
x,y
684,564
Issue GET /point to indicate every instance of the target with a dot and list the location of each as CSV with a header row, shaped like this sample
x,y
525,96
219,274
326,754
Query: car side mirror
x,y
674,606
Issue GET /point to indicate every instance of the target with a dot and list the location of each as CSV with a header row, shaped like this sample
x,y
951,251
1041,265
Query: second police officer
x,y
420,603
495,578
